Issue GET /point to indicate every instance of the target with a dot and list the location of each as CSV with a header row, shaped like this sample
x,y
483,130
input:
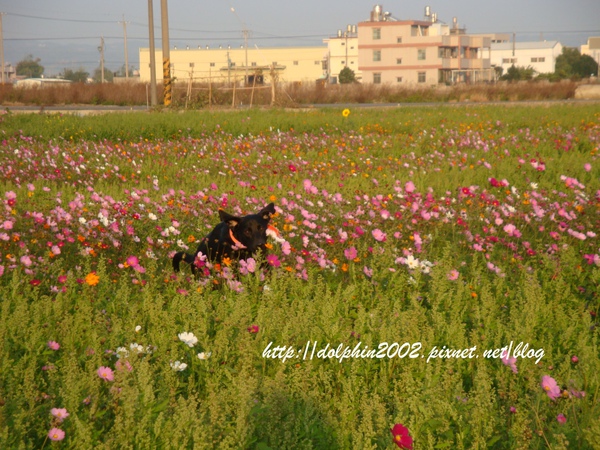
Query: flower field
x,y
434,283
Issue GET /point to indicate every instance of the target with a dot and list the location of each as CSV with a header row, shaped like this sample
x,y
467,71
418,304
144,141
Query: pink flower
x,y
453,275
587,167
106,373
56,434
350,253
132,261
253,329
549,385
26,260
7,225
510,362
53,345
60,413
561,419
409,187
368,272
379,235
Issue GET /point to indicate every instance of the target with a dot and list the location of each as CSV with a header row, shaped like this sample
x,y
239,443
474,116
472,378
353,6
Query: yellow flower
x,y
92,279
346,112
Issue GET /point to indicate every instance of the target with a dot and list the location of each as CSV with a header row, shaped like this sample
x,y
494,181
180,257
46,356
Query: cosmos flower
x,y
188,338
550,387
60,413
402,437
106,373
56,434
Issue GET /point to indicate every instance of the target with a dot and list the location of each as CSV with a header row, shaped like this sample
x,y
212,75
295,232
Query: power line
x,y
60,20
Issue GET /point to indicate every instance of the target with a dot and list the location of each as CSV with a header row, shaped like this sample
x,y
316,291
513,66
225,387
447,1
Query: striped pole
x,y
166,52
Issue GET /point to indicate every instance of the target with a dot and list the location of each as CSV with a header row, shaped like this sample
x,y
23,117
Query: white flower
x,y
203,355
411,262
533,185
138,328
178,366
152,216
188,338
122,352
135,347
82,220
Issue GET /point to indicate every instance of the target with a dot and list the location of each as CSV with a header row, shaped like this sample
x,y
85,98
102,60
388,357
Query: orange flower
x,y
92,279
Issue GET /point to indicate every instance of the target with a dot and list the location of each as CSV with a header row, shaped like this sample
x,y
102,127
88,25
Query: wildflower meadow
x,y
433,281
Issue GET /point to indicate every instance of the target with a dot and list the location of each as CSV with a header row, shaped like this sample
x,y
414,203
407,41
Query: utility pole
x,y
166,52
153,98
2,47
245,33
126,58
101,50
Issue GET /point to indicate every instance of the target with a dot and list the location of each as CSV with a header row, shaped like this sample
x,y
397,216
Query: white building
x,y
343,52
540,56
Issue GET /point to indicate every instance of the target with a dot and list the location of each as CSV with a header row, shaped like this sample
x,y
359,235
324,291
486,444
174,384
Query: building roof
x,y
524,45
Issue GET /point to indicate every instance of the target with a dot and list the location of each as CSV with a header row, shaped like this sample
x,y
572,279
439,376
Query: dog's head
x,y
250,230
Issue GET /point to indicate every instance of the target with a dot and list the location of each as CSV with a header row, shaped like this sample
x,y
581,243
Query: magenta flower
x,y
402,437
549,385
60,413
56,434
273,260
561,419
106,373
253,329
53,345
350,253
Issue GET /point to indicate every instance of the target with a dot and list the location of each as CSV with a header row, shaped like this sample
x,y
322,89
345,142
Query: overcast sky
x,y
66,33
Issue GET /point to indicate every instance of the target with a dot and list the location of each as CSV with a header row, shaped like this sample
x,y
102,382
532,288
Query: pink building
x,y
423,52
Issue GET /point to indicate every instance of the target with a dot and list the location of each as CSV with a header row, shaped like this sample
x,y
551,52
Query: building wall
x,y
293,64
541,56
343,51
419,52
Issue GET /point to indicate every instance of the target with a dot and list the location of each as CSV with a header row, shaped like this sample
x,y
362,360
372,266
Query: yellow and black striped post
x,y
167,82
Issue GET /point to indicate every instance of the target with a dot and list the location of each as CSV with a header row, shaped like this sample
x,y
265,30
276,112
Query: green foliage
x,y
30,67
240,398
518,73
346,76
572,64
77,76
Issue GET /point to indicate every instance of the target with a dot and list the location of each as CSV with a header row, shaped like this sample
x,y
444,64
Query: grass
x,y
399,242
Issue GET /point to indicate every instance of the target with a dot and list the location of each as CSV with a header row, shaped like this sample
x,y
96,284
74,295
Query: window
x,y
399,79
421,54
376,55
376,33
399,40
253,64
343,62
422,77
232,64
540,59
295,63
377,78
192,65
398,60
274,63
509,60
212,64
317,63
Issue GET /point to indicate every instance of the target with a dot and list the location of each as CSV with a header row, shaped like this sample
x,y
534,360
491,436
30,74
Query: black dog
x,y
235,237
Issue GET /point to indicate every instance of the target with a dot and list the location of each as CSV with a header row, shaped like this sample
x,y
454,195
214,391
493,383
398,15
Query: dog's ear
x,y
267,211
230,220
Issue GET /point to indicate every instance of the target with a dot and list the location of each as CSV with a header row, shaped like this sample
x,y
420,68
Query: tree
x,y
108,75
30,67
572,64
518,73
347,76
79,76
